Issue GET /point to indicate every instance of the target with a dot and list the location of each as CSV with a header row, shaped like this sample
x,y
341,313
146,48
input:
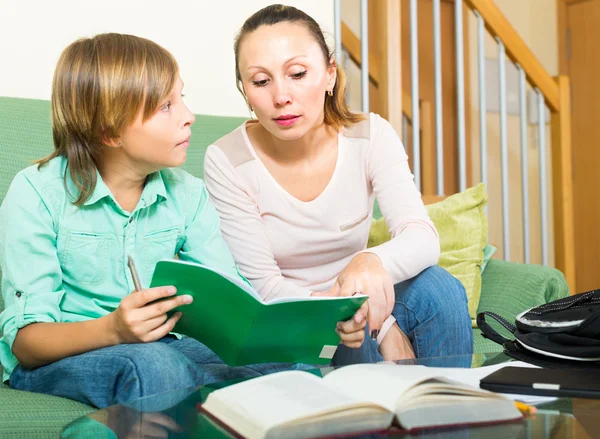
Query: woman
x,y
295,190
72,326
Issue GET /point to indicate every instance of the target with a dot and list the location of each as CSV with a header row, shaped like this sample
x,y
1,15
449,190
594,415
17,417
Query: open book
x,y
359,398
230,318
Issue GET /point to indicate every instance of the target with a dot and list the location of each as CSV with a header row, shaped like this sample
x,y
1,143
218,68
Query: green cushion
x,y
508,288
33,415
462,226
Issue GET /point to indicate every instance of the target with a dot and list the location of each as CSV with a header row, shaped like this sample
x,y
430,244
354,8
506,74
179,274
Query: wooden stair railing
x,y
428,173
556,92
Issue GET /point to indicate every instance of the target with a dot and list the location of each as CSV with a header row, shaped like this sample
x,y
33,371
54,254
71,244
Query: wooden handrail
x,y
352,44
516,49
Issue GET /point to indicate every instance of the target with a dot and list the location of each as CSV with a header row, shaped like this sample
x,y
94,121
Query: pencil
x,y
524,408
136,280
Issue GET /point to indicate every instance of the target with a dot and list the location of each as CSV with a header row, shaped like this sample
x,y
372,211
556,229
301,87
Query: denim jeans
x,y
124,373
431,309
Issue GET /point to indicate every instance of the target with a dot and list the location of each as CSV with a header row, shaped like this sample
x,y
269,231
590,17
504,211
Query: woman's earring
x,y
251,109
330,92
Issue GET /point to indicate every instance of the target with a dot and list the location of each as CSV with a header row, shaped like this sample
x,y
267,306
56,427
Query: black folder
x,y
546,382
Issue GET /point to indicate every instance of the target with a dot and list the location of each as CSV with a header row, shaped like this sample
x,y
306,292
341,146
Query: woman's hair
x,y
100,86
337,113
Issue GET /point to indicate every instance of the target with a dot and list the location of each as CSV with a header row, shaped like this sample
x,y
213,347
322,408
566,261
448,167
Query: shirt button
x,y
130,219
18,294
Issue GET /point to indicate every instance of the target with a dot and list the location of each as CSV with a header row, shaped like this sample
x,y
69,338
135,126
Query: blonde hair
x,y
337,113
100,85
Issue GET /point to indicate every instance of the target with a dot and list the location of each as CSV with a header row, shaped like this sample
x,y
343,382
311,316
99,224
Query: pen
x,y
136,280
524,408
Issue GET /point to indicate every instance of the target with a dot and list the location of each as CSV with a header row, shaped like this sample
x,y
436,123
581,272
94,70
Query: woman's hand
x,y
352,332
365,274
139,319
396,345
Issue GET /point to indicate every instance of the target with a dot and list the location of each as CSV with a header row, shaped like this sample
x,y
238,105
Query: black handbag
x,y
564,333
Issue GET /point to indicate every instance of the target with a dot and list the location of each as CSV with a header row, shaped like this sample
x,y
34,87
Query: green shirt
x,y
63,263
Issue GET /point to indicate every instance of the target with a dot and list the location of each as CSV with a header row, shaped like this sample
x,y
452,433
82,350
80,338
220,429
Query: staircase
x,y
413,57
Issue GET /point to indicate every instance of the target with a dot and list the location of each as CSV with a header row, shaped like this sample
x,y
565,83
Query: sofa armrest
x,y
509,288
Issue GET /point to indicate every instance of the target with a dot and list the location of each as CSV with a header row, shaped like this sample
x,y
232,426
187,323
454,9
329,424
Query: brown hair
x,y
337,113
100,85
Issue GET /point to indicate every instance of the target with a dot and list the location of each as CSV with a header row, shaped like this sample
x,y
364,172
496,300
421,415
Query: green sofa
x,y
25,135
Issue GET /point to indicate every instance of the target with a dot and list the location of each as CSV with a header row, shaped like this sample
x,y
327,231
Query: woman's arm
x,y
415,243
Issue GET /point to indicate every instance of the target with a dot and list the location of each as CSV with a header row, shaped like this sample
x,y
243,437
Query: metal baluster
x,y
337,26
460,90
414,80
503,149
482,98
404,130
364,54
524,165
437,51
543,180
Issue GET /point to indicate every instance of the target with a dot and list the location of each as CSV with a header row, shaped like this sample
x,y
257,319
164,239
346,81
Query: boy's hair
x,y
100,86
337,113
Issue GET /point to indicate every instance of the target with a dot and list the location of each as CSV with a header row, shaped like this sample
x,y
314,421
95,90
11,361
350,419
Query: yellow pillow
x,y
463,228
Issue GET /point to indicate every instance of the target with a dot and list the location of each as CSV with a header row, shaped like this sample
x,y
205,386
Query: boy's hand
x,y
138,320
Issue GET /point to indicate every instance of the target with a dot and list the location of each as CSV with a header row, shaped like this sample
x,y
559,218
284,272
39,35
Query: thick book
x,y
229,317
354,399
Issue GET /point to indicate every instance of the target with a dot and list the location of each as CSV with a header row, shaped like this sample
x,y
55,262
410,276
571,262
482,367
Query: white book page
x,y
304,299
378,383
473,376
283,397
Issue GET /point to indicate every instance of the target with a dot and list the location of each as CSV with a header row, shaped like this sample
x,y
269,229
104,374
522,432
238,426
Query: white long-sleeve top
x,y
288,247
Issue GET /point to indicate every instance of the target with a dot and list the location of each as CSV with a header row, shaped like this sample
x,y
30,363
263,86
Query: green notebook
x,y
230,318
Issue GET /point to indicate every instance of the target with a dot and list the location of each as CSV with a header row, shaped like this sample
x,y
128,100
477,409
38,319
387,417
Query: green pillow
x,y
463,228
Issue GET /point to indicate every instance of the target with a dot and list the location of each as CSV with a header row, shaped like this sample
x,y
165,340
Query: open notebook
x,y
229,317
359,398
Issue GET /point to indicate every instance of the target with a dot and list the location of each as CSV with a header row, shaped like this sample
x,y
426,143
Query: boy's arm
x,y
33,290
32,283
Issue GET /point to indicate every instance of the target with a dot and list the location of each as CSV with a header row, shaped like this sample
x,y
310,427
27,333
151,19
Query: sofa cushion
x,y
33,415
488,252
509,288
462,226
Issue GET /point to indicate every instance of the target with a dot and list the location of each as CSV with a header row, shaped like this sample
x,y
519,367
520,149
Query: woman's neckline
x,y
274,180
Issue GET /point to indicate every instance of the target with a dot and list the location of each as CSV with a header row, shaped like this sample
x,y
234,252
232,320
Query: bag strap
x,y
488,332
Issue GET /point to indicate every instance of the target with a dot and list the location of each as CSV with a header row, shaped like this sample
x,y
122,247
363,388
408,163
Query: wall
x,y
198,32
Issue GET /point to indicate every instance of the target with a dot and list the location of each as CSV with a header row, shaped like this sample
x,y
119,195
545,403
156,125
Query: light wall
x,y
199,33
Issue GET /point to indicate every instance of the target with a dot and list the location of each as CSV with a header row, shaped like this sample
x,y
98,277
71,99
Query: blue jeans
x,y
124,373
431,309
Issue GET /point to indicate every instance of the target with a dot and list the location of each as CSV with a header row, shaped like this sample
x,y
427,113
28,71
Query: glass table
x,y
175,414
